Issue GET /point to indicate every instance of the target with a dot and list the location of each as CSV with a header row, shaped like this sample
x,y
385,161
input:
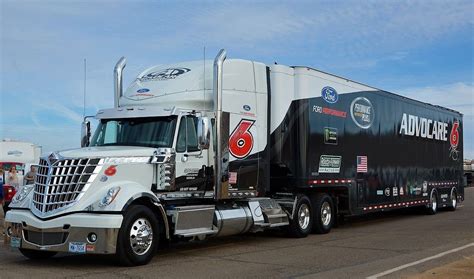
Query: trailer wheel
x,y
432,206
37,254
454,199
302,221
324,213
138,237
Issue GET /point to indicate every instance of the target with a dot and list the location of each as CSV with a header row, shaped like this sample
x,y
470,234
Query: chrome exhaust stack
x,y
220,160
118,80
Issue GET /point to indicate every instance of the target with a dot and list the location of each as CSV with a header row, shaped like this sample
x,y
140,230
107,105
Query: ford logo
x,y
329,94
246,107
143,90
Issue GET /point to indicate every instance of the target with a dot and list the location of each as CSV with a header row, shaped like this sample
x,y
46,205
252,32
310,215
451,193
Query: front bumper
x,y
63,234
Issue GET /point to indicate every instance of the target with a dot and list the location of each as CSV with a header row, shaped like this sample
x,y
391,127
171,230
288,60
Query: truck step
x,y
194,232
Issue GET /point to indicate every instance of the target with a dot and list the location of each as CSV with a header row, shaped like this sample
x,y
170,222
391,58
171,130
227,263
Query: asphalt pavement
x,y
397,244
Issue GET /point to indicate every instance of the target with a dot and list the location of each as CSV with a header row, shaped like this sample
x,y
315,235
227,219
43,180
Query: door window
x,y
187,135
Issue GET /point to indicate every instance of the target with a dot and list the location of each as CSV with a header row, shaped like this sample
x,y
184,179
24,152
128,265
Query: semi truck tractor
x,y
216,148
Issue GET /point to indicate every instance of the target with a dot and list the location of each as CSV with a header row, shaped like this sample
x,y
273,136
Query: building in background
x,y
468,172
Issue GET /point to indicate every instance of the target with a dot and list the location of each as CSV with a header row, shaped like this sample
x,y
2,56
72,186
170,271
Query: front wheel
x,y
324,213
302,219
37,254
138,237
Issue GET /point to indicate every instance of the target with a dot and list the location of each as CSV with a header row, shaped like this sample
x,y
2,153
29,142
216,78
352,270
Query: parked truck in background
x,y
21,156
200,149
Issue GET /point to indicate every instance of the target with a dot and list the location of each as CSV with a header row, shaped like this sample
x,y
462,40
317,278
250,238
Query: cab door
x,y
192,173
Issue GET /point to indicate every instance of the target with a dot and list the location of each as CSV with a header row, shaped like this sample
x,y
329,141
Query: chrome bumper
x,y
19,233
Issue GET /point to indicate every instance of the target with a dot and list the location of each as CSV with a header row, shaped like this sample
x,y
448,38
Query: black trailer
x,y
370,151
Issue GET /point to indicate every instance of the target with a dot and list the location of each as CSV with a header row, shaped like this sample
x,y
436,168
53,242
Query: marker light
x,y
110,171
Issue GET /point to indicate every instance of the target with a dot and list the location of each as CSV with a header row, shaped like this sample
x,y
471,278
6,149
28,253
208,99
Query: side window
x,y
192,139
181,141
187,135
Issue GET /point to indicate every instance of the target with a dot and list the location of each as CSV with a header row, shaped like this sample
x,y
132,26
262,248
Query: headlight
x,y
23,193
109,197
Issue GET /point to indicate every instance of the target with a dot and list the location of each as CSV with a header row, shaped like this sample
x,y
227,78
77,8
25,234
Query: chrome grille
x,y
60,183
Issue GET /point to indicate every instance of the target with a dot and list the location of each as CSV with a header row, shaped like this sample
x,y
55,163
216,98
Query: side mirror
x,y
85,133
204,133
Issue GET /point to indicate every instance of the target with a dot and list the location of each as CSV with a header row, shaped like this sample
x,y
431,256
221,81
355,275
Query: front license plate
x,y
15,242
77,247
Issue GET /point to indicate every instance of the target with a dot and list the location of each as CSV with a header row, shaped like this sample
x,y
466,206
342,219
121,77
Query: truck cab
x,y
162,164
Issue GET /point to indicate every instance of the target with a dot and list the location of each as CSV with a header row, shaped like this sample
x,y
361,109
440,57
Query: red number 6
x,y
454,136
241,140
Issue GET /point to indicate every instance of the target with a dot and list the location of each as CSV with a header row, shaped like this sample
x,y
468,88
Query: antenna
x,y
85,84
204,72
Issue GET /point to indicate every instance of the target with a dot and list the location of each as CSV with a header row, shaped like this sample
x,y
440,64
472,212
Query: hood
x,y
108,151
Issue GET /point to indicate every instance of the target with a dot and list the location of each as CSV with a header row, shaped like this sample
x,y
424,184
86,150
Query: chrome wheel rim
x,y
304,216
434,203
453,199
326,213
141,236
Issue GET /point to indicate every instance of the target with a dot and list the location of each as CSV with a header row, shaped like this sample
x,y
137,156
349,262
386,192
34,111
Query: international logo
x,y
166,74
362,112
329,95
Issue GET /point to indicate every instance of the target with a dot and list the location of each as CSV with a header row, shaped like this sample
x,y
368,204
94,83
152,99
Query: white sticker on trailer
x,y
329,164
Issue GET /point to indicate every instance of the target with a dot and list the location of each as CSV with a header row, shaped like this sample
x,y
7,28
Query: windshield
x,y
149,131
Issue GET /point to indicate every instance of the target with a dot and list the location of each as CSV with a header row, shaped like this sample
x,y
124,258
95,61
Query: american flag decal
x,y
361,163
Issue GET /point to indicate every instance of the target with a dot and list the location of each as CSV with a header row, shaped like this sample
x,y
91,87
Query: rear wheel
x,y
302,221
36,254
324,213
138,237
432,206
454,199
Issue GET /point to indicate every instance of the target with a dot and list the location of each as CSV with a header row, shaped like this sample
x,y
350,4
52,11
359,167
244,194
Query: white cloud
x,y
458,96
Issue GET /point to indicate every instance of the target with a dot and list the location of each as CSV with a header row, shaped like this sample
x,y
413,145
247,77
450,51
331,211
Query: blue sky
x,y
421,49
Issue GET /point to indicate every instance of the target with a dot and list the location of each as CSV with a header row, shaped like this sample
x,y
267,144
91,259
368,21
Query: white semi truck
x,y
200,149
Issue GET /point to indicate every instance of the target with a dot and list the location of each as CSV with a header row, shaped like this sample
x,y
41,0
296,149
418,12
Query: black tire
x,y
138,218
37,254
6,208
432,206
453,197
302,221
323,212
